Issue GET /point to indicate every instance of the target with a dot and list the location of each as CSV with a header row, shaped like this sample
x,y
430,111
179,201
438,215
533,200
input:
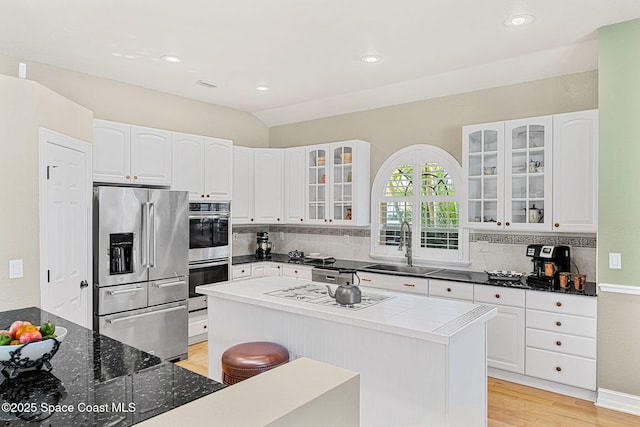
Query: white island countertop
x,y
414,316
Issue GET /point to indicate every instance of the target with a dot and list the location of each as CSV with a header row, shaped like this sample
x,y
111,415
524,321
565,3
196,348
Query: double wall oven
x,y
209,248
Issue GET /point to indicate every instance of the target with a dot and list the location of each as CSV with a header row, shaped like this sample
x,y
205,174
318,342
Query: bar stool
x,y
245,360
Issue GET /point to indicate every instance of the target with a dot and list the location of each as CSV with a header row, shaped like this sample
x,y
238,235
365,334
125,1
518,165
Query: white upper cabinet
x,y
268,168
242,207
294,185
202,166
528,177
483,166
126,154
111,152
338,183
150,156
188,164
535,174
575,171
218,160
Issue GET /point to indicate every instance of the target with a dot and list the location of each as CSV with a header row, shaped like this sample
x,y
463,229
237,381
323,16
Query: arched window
x,y
419,184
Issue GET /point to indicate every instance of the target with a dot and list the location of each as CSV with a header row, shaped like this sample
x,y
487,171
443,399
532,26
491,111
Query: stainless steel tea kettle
x,y
346,294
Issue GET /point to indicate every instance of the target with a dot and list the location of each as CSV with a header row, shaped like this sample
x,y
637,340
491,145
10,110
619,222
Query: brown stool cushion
x,y
245,360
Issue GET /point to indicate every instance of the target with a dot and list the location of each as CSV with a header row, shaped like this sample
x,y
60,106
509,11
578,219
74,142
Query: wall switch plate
x,y
235,236
22,70
615,261
16,269
282,235
346,239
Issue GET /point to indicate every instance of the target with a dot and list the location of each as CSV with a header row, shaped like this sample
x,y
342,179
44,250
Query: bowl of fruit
x,y
25,346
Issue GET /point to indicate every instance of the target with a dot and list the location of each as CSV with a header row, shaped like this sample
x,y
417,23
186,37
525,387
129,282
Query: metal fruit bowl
x,y
35,354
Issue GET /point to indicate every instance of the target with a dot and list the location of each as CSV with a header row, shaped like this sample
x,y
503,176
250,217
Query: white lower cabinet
x,y
297,271
414,285
506,331
262,269
241,271
448,289
198,327
561,338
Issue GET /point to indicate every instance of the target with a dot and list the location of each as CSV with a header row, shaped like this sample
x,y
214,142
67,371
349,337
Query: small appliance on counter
x,y
548,263
263,246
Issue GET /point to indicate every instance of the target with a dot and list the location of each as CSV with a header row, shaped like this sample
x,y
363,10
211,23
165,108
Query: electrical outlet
x,y
235,236
345,239
282,235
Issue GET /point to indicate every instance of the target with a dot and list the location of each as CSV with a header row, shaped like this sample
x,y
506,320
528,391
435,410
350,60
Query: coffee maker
x,y
548,263
263,246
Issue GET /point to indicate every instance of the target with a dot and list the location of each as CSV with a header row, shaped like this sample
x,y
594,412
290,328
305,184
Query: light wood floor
x,y
510,404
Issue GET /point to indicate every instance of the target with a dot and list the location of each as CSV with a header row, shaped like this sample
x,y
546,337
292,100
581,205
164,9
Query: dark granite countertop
x,y
468,276
98,381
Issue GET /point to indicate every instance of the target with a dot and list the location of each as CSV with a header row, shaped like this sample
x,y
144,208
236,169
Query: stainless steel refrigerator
x,y
140,268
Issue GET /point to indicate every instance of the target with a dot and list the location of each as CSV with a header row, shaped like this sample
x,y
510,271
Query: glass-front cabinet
x,y
338,183
508,170
528,161
483,165
317,184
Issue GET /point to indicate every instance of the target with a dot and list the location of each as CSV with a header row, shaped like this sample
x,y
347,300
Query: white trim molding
x,y
619,289
618,401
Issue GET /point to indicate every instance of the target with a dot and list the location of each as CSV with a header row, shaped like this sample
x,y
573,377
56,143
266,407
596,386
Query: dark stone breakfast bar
x,y
95,381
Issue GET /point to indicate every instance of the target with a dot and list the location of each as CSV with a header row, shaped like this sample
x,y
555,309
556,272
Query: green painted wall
x,y
619,181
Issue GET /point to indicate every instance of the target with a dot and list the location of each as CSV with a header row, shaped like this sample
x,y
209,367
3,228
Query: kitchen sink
x,y
401,269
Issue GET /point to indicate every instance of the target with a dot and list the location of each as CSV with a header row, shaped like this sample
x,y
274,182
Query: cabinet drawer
x,y
170,290
296,271
563,323
447,289
562,343
562,303
113,299
498,295
561,368
198,327
416,285
241,271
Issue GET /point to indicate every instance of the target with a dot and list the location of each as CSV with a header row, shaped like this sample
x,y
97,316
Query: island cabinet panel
x,y
421,361
414,285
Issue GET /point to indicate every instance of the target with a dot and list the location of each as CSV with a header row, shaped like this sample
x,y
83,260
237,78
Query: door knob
x,y
84,284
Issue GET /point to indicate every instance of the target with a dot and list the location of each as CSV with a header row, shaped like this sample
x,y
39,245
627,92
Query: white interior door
x,y
65,227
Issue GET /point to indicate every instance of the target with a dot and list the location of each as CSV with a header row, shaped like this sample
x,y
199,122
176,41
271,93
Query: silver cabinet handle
x,y
125,291
150,313
168,285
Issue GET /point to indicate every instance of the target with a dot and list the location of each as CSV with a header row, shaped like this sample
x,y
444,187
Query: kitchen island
x,y
95,381
422,361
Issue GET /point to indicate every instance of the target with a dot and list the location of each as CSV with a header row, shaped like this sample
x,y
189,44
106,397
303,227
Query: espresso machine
x,y
548,263
263,246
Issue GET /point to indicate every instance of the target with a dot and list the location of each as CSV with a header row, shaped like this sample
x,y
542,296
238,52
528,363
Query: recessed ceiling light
x,y
207,83
371,59
518,20
171,58
263,88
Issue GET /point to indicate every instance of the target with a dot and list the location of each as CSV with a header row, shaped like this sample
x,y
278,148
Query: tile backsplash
x,y
488,251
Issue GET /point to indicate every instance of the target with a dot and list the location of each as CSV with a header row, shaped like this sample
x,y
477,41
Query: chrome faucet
x,y
405,240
